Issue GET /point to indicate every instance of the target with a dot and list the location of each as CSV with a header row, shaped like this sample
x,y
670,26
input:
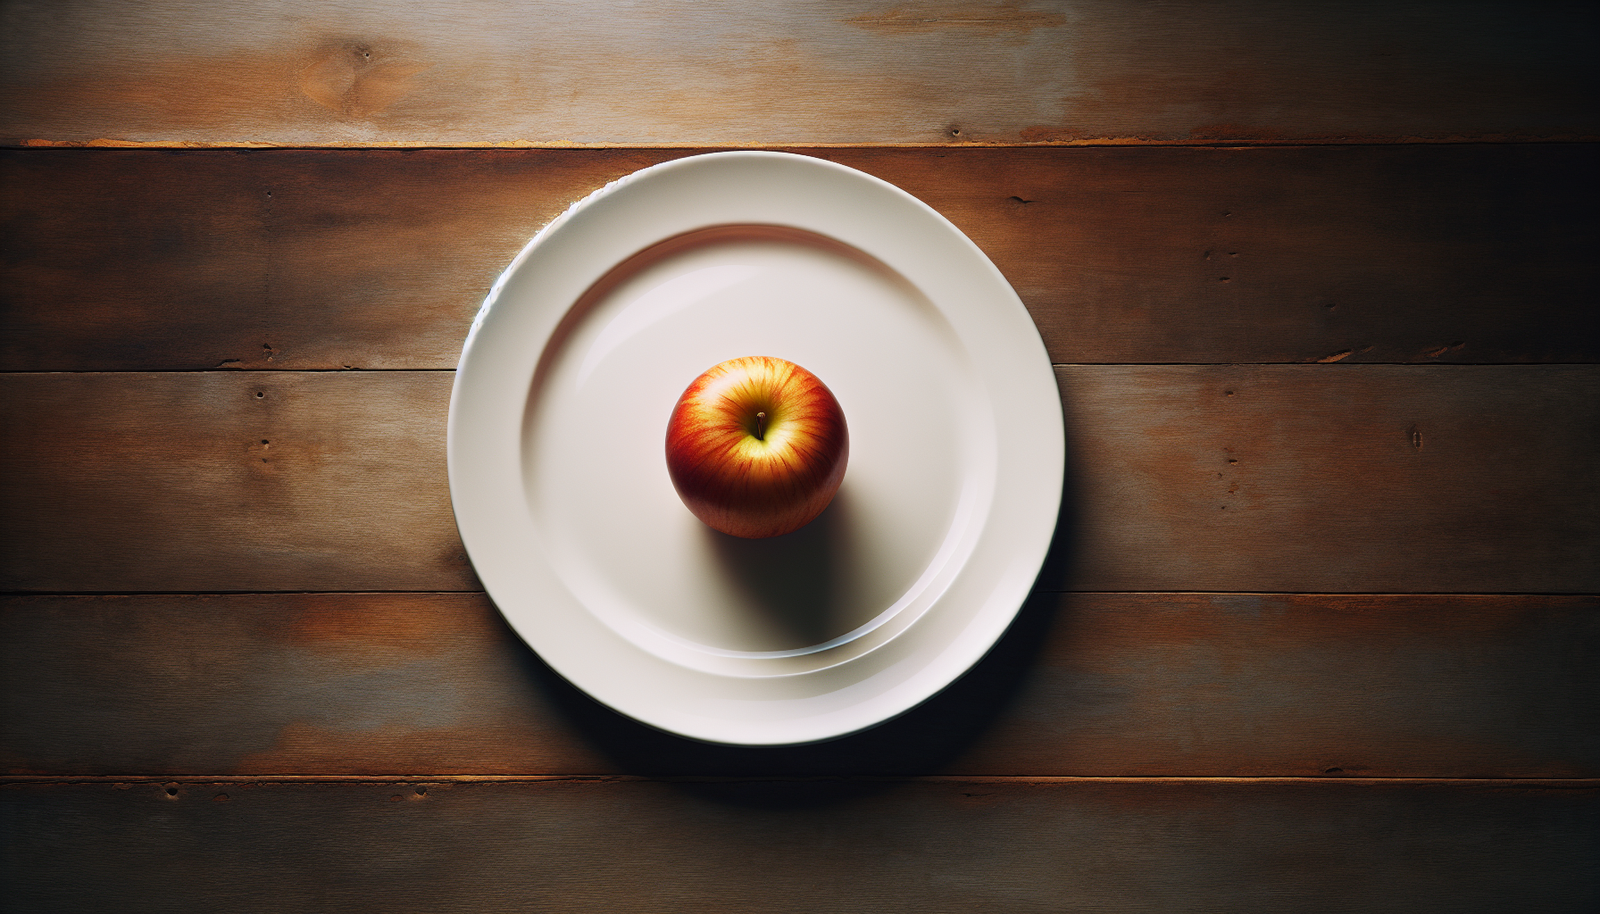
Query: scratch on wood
x,y
1436,353
1336,357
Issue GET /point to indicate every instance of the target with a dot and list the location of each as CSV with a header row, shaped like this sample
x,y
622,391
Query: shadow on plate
x,y
791,581
929,739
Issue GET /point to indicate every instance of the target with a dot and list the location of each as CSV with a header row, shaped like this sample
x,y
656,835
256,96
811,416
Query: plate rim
x,y
960,650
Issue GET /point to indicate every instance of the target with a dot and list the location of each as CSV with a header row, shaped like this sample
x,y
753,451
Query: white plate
x,y
558,470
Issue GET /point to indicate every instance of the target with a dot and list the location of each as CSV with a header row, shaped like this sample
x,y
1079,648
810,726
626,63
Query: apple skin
x,y
748,485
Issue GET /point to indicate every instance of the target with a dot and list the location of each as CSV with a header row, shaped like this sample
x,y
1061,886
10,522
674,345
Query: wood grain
x,y
1331,478
140,260
1359,182
1373,479
785,846
247,481
378,72
347,685
1475,479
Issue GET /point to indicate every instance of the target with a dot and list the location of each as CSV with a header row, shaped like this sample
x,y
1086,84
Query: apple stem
x,y
761,426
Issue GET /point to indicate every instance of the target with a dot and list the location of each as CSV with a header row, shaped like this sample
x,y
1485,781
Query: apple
x,y
757,446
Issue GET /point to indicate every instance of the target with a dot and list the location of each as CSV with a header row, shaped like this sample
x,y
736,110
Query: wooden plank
x,y
248,481
792,846
1084,684
122,260
1349,479
1373,478
379,72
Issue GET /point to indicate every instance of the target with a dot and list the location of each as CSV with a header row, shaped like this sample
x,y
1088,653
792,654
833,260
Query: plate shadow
x,y
928,739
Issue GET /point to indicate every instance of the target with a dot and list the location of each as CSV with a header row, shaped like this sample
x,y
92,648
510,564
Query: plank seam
x,y
445,778
1305,363
1328,593
1577,595
1101,143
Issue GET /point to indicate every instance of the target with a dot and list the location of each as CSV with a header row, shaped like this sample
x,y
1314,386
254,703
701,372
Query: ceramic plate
x,y
558,469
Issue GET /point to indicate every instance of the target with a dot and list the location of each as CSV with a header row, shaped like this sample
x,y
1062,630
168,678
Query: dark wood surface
x,y
1087,684
803,846
701,72
1320,627
1378,478
219,259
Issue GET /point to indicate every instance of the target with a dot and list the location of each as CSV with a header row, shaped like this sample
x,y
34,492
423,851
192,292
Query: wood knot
x,y
355,80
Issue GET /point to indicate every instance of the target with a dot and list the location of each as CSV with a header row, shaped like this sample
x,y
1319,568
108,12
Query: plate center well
x,y
594,461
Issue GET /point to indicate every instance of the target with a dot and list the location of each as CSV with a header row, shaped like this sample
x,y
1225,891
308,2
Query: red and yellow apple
x,y
757,446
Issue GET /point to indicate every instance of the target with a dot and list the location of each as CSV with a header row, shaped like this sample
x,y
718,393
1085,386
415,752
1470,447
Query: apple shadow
x,y
791,582
931,738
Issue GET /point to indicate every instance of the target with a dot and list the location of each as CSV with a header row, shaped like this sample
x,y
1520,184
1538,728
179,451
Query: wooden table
x,y
1319,630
